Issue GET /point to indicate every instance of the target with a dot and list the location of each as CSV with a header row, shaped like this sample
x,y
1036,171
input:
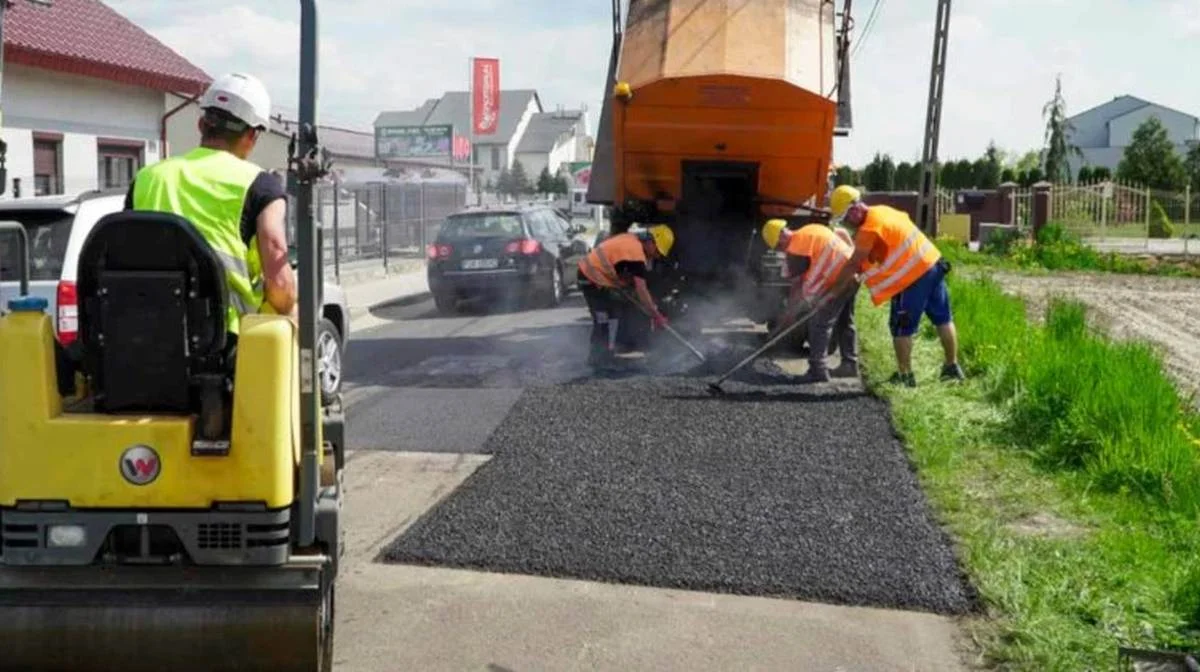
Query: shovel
x,y
715,386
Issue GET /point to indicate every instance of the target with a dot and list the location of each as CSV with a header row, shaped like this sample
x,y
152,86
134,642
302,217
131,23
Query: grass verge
x,y
1066,470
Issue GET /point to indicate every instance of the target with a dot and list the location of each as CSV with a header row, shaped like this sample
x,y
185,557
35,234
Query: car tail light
x,y
68,312
523,246
440,251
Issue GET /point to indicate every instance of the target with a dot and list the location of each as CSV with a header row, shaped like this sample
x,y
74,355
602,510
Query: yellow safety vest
x,y
208,188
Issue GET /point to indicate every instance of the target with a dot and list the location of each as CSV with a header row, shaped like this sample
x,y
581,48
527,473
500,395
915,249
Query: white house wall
x,y
81,109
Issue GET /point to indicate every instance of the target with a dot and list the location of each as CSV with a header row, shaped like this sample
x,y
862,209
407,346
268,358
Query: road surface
x,y
508,510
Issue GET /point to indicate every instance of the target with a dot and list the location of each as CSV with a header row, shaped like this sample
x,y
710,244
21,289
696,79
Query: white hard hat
x,y
242,96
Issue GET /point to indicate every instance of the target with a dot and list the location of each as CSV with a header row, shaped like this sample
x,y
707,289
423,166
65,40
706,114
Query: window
x,y
48,232
117,162
47,164
482,225
495,158
540,225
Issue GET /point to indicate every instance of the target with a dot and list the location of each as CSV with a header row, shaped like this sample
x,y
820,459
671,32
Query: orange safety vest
x,y
827,254
909,253
600,265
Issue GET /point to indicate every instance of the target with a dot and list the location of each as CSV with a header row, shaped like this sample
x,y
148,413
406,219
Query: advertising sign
x,y
414,142
485,99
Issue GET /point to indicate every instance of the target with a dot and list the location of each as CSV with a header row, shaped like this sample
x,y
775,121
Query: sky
x,y
1002,61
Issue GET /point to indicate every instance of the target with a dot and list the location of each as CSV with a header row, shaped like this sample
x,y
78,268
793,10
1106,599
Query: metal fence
x,y
1120,216
380,222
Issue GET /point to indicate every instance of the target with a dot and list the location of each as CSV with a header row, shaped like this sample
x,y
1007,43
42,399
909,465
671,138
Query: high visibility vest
x,y
827,254
600,265
208,188
909,253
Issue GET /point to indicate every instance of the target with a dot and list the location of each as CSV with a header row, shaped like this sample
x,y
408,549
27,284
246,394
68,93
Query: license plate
x,y
475,264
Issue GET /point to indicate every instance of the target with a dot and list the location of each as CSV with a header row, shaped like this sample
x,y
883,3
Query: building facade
x,y
1103,132
84,108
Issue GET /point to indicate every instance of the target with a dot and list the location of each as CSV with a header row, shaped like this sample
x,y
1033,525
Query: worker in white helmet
x,y
235,205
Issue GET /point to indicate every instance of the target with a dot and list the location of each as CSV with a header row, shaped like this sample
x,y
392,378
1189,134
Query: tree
x,y
989,167
1008,175
1028,161
965,170
908,176
1085,175
545,183
1058,150
1191,164
504,183
1101,174
520,180
846,175
559,186
1151,159
880,173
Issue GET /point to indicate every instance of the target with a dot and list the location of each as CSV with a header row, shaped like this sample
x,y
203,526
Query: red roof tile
x,y
86,37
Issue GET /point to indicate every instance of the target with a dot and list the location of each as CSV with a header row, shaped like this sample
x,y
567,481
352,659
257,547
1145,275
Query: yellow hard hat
x,y
771,232
663,237
841,200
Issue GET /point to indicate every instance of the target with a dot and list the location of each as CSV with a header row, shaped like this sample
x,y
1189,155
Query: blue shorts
x,y
927,295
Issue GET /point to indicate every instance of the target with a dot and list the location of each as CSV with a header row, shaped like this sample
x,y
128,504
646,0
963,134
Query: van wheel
x,y
329,358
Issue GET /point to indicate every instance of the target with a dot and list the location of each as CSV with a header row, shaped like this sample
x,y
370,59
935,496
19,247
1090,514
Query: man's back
x,y
222,196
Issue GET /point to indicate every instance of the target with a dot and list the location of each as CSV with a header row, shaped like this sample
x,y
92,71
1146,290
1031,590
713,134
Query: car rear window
x,y
482,225
48,232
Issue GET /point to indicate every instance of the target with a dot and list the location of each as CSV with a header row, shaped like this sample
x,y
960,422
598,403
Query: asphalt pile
x,y
653,481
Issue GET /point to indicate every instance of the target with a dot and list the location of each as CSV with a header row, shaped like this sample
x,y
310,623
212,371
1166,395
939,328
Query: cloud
x,y
1003,58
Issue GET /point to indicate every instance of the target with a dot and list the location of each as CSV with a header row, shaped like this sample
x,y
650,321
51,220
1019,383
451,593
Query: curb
x,y
406,300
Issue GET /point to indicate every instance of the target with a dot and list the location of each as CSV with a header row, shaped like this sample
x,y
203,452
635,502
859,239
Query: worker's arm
x,y
280,281
129,197
863,243
635,272
264,216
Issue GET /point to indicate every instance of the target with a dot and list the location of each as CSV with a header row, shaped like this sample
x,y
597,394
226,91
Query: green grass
x,y
1066,470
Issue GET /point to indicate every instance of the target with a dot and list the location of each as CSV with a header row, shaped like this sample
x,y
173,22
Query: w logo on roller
x,y
140,465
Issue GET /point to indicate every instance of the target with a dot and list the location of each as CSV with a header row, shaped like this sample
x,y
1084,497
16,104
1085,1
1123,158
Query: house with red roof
x,y
84,96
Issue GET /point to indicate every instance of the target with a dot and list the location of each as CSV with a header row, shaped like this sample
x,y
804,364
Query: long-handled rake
x,y
715,386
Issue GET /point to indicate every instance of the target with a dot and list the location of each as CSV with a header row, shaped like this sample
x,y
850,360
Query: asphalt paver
x,y
652,480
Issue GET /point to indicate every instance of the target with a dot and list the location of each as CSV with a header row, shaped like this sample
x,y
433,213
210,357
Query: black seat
x,y
152,302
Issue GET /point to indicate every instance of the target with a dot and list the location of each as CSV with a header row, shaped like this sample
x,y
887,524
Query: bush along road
x,y
1065,468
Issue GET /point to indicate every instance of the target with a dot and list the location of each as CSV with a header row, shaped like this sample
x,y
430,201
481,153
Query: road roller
x,y
170,496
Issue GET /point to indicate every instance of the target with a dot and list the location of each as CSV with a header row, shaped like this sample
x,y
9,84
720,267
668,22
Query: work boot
x,y
953,372
847,369
906,379
814,375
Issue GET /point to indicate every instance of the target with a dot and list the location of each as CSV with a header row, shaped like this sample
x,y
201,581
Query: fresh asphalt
x,y
644,479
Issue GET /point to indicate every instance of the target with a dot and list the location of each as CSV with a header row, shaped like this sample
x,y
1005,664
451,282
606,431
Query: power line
x,y
870,23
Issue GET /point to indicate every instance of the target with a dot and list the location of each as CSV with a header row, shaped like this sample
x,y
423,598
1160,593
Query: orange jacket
x,y
909,253
599,265
827,254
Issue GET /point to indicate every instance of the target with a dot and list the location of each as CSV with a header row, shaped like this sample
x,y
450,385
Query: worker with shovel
x,y
815,256
902,266
615,264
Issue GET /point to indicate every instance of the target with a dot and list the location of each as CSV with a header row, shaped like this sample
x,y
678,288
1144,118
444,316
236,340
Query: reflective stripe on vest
x,y
208,188
910,254
599,265
827,254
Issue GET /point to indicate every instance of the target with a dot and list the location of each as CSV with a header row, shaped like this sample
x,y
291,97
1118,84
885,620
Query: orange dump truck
x,y
720,114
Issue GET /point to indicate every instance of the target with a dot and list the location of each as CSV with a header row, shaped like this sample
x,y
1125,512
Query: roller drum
x,y
144,619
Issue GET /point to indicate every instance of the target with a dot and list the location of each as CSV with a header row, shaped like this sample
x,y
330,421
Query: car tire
x,y
553,291
329,358
445,303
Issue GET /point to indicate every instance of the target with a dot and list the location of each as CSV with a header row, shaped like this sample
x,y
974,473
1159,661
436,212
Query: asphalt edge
x,y
406,300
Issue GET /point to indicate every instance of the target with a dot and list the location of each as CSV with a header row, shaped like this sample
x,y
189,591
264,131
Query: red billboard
x,y
485,88
462,147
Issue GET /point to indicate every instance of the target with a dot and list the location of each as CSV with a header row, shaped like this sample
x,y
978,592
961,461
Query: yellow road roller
x,y
170,500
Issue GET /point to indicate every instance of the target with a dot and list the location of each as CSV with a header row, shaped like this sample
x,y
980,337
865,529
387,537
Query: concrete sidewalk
x,y
364,296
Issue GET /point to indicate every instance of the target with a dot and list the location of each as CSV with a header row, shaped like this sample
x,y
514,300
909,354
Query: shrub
x,y
1160,224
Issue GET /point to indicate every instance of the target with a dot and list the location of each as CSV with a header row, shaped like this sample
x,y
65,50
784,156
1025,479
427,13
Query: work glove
x,y
658,321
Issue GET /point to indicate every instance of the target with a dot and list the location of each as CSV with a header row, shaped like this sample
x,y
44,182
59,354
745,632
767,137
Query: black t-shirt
x,y
797,265
265,190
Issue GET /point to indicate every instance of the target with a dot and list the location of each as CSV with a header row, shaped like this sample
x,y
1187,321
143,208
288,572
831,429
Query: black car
x,y
524,252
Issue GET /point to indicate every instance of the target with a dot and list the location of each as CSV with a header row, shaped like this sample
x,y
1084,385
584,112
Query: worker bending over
x,y
815,256
606,273
901,265
236,206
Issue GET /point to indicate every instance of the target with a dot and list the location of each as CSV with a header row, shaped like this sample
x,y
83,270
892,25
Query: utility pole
x,y
927,199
